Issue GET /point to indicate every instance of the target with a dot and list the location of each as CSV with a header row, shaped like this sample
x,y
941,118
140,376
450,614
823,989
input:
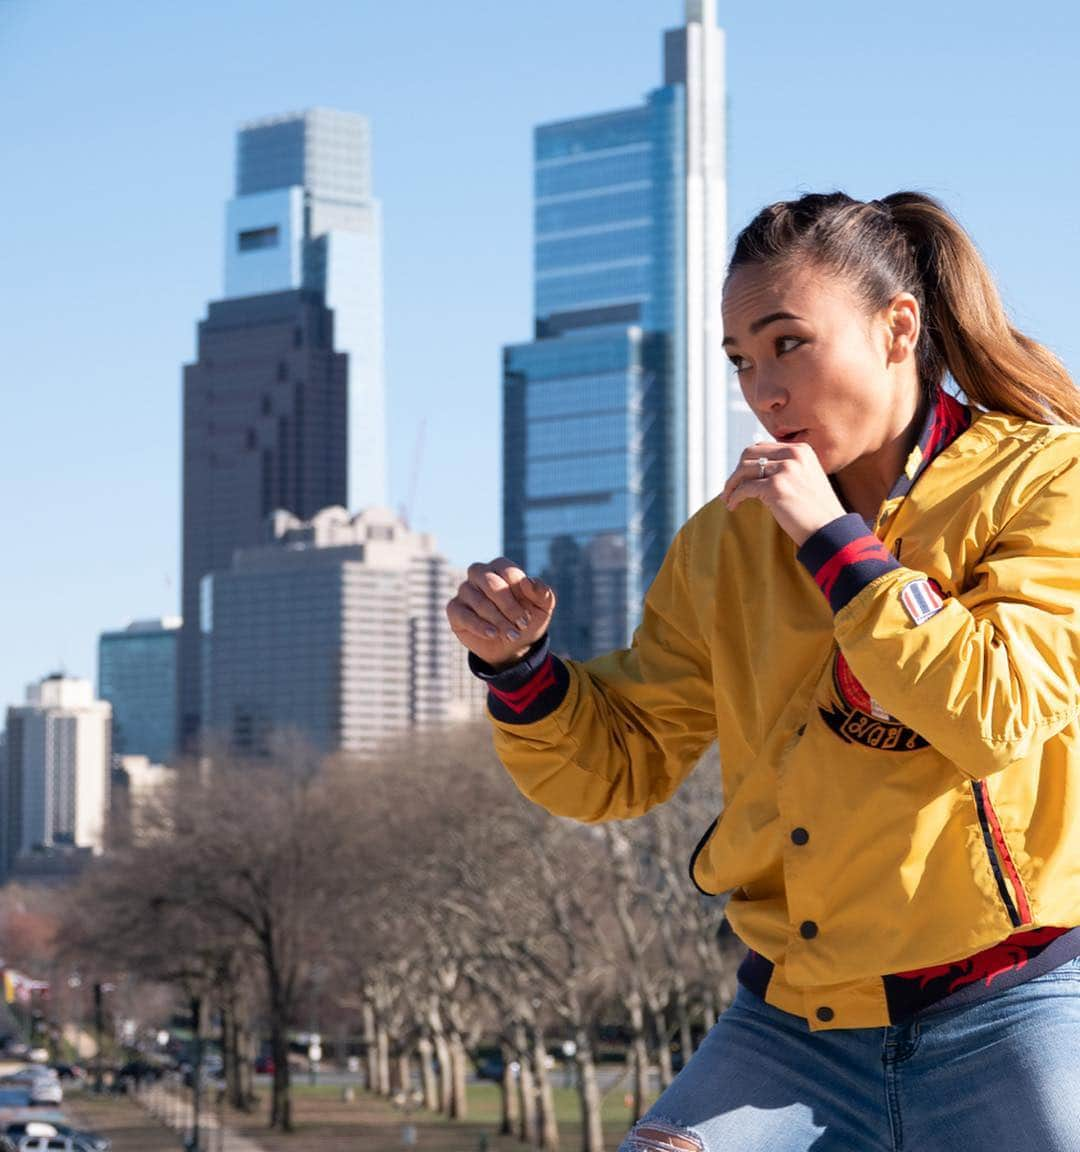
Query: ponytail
x,y
908,242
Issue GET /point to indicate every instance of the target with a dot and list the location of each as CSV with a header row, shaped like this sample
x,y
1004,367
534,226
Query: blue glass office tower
x,y
137,676
616,417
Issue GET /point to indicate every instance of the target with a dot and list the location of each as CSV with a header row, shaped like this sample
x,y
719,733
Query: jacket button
x,y
799,835
808,929
825,1013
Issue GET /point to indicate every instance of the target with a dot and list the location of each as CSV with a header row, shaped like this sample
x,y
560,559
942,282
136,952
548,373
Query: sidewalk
x,y
156,1120
174,1110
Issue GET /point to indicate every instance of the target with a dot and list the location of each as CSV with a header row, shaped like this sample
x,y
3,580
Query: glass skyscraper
x,y
137,676
617,415
304,217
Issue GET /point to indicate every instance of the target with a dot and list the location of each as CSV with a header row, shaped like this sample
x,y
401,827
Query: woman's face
x,y
814,367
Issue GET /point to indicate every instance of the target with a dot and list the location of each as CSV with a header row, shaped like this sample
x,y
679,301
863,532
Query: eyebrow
x,y
763,322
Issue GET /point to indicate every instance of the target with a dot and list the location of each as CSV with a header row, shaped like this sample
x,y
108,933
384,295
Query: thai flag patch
x,y
921,600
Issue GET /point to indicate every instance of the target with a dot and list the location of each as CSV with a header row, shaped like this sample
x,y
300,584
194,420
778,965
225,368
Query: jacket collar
x,y
945,419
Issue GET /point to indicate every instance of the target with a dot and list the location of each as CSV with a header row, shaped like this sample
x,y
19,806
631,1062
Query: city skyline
x,y
98,215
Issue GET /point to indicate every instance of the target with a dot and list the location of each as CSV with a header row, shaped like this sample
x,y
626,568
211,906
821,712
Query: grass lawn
x,y
326,1123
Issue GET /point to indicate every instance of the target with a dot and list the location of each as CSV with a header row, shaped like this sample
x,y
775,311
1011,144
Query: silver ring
x,y
762,461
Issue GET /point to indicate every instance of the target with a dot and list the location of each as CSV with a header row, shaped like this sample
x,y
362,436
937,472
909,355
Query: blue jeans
x,y
1003,1073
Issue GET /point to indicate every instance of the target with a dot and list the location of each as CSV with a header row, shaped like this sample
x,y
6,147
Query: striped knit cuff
x,y
843,557
526,691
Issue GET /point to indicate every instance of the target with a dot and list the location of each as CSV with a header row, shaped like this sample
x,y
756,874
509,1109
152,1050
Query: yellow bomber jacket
x,y
898,717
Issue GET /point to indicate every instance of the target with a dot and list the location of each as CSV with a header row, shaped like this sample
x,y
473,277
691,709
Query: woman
x,y
879,621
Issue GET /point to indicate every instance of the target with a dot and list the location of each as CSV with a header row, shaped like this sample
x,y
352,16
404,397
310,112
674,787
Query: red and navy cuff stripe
x,y
526,691
843,557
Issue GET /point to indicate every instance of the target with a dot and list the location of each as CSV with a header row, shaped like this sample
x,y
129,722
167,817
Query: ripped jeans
x,y
1001,1073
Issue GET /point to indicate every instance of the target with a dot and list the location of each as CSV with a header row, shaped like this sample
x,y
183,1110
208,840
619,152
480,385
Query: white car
x,y
42,1084
42,1137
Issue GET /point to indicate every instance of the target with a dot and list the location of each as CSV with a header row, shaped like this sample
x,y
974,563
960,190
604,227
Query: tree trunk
x,y
247,1067
229,1056
427,1074
682,1015
509,1104
708,1007
639,1053
280,1103
404,1073
370,1049
529,1131
382,1048
549,1126
446,1083
459,1103
663,1045
589,1093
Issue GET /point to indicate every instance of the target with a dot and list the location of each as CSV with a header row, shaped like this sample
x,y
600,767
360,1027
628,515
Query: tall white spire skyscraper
x,y
620,416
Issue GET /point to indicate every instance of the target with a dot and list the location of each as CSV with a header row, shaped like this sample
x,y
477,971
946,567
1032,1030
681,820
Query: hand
x,y
795,488
499,613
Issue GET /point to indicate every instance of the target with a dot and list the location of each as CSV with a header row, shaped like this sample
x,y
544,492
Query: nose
x,y
763,392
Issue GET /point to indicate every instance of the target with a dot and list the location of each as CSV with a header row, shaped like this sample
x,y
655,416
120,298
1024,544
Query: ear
x,y
903,324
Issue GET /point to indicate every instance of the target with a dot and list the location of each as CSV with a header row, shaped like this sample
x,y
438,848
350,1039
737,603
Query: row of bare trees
x,y
439,909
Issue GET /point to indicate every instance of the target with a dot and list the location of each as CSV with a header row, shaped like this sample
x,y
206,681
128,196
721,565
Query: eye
x,y
791,342
738,363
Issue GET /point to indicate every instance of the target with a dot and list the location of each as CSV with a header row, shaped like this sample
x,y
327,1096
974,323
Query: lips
x,y
787,437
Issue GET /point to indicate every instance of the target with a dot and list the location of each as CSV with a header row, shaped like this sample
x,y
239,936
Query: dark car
x,y
69,1071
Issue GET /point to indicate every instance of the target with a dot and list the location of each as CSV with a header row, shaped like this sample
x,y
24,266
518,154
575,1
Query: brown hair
x,y
908,242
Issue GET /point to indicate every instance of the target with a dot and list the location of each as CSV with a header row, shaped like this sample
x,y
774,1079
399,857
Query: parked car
x,y
85,1141
14,1097
47,1144
40,1082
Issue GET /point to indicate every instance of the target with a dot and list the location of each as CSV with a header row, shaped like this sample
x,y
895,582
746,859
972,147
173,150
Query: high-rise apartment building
x,y
55,782
335,632
618,415
137,676
284,407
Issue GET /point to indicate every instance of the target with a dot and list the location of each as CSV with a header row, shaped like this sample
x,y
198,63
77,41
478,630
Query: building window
x,y
255,238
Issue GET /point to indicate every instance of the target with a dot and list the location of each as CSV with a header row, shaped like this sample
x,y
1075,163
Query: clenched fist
x,y
498,613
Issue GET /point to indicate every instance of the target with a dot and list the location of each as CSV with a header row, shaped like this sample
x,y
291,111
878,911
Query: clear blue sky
x,y
117,124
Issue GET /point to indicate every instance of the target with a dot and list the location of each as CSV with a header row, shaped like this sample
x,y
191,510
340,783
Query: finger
x,y
515,578
490,584
748,468
749,490
541,596
486,609
464,623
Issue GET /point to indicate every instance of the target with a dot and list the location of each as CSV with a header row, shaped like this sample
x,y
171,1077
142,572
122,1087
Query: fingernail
x,y
522,621
512,635
491,633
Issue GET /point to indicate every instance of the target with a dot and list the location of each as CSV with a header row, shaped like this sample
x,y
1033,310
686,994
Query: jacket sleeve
x,y
989,675
609,738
